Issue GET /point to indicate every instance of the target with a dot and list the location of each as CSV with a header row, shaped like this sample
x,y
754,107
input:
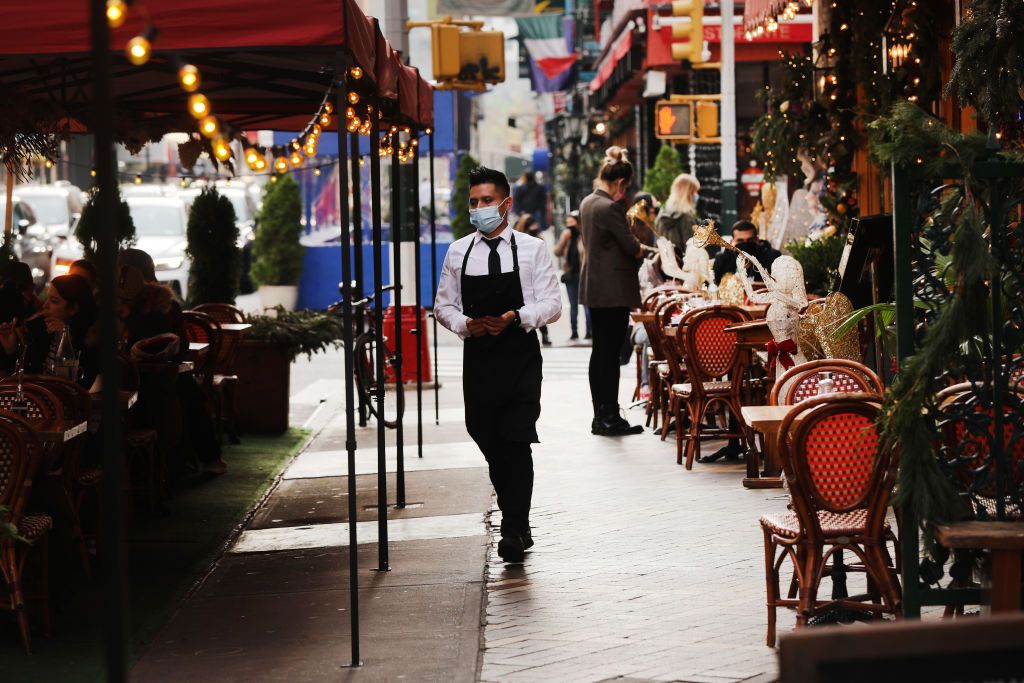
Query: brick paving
x,y
642,570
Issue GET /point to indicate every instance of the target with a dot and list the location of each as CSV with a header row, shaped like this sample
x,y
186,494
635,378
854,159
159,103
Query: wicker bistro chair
x,y
800,382
655,353
20,457
967,431
839,486
715,369
202,328
224,381
671,370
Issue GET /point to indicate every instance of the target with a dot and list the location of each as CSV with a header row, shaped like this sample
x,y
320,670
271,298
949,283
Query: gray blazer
x,y
609,276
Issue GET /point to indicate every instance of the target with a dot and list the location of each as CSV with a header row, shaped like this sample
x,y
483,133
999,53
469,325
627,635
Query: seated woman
x,y
149,309
69,307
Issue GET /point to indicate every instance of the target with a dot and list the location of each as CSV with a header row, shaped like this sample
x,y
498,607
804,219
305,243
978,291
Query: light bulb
x,y
316,171
189,78
260,164
355,72
353,125
316,130
295,159
92,172
49,164
325,120
222,148
198,105
117,12
428,131
138,50
209,126
281,164
353,98
296,144
328,107
251,155
138,178
182,182
273,178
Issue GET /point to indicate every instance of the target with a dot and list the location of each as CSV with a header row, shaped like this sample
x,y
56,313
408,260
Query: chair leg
x,y
808,590
696,420
13,563
771,577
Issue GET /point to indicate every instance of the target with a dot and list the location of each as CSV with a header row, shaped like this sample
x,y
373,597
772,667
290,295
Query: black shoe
x,y
527,540
616,426
545,341
730,452
588,336
573,336
511,548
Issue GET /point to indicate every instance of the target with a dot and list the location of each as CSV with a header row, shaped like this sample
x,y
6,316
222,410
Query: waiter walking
x,y
497,288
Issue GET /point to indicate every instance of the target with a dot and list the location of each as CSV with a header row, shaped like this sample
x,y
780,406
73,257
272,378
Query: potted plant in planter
x,y
264,363
277,253
213,249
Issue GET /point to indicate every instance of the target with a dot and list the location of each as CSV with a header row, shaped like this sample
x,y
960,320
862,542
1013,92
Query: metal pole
x,y
115,581
350,408
433,277
728,113
419,331
378,294
357,249
396,280
902,226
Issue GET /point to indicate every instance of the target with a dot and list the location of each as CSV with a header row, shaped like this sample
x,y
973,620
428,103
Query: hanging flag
x,y
548,41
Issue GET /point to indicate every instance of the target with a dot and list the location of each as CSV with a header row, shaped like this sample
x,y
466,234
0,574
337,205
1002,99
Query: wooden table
x,y
235,328
756,312
642,317
767,420
62,431
165,366
1006,542
197,347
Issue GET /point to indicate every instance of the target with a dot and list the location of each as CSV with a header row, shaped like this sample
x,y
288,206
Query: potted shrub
x,y
87,229
264,363
213,249
460,197
277,253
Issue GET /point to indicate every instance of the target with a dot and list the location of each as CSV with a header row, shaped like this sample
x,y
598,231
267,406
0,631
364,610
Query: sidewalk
x,y
641,570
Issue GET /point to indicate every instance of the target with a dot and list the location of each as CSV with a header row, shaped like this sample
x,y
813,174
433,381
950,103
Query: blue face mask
x,y
486,219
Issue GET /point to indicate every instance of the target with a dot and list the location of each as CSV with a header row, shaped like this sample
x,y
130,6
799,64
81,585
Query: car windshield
x,y
155,220
48,208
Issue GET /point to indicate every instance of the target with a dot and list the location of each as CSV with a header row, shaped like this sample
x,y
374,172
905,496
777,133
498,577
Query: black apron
x,y
501,375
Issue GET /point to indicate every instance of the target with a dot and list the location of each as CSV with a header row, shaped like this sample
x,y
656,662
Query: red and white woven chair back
x,y
14,464
43,407
712,351
800,382
225,314
833,451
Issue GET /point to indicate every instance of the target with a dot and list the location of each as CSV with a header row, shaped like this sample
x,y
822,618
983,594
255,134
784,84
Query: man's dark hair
x,y
744,226
482,175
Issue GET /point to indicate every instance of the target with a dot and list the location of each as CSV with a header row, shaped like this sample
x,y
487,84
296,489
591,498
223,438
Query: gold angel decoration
x,y
730,290
818,328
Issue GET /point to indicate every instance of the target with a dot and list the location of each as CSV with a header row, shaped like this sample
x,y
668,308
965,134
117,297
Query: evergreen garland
x,y
667,165
793,122
213,249
989,69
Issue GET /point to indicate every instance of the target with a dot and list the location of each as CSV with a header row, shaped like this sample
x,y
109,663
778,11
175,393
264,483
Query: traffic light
x,y
672,120
465,59
687,118
688,36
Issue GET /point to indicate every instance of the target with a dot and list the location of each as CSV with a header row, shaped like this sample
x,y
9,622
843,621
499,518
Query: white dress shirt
x,y
542,297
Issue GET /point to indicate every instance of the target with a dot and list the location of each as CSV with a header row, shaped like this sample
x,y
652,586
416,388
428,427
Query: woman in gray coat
x,y
609,286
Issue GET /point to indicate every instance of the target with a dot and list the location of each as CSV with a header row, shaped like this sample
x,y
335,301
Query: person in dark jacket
x,y
609,286
744,236
570,248
530,197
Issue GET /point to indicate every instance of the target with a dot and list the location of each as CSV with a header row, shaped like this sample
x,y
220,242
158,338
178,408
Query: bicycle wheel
x,y
367,381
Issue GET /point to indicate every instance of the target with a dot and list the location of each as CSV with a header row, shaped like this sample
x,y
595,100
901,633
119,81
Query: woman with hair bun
x,y
609,286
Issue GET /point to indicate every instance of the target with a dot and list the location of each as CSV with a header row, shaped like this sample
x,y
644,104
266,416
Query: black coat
x,y
725,261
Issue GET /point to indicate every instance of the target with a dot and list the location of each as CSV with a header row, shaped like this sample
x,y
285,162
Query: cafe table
x,y
1005,540
61,431
768,421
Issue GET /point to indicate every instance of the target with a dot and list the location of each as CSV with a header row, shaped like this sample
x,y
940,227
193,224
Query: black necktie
x,y
493,259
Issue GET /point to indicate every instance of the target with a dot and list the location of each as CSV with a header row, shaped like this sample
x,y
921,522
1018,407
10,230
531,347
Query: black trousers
x,y
510,465
609,326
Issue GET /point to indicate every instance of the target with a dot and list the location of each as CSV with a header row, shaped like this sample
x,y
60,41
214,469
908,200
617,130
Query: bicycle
x,y
365,364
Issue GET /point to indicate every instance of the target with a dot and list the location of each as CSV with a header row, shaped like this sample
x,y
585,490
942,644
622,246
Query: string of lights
x,y
770,24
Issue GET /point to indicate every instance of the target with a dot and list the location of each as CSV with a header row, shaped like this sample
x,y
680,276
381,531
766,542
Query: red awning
x,y
425,115
606,64
408,93
264,64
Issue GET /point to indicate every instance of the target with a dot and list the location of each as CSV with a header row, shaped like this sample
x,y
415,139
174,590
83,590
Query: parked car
x,y
160,223
57,206
32,243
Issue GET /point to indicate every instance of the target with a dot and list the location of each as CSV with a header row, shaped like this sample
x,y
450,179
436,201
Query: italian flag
x,y
548,41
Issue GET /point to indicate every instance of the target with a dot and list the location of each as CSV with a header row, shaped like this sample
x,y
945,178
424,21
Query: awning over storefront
x,y
264,65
